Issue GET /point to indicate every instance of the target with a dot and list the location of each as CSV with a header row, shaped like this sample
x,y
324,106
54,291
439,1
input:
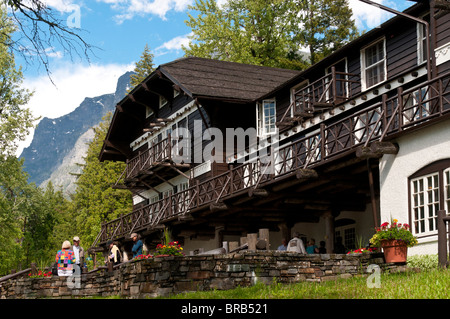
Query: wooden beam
x,y
217,207
306,173
258,192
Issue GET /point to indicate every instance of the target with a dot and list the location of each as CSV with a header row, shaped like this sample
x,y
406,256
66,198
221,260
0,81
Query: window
x,y
148,112
266,117
162,101
422,41
429,192
373,64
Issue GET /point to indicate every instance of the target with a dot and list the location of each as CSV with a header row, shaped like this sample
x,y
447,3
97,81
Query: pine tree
x,y
143,67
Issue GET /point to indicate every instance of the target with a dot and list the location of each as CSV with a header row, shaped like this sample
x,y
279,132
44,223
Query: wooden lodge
x,y
359,137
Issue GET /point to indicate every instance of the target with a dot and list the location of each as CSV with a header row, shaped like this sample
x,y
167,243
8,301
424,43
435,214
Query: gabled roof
x,y
214,79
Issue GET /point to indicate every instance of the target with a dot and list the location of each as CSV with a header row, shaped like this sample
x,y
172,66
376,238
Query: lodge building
x,y
358,138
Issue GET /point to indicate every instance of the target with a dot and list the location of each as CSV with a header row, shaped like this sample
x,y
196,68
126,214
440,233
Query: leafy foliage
x,y
271,33
393,231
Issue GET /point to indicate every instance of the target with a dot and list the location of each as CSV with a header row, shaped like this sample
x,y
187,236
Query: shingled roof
x,y
214,79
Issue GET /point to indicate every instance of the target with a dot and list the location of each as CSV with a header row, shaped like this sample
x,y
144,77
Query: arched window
x,y
428,192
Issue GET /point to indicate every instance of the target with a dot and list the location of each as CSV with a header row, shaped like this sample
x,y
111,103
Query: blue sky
x,y
121,29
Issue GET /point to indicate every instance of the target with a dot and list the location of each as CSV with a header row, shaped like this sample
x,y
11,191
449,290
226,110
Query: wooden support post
x,y
264,235
33,269
252,240
329,231
442,238
243,241
232,245
218,236
110,267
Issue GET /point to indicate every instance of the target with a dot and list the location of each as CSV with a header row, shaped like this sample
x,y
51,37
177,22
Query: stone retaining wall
x,y
161,276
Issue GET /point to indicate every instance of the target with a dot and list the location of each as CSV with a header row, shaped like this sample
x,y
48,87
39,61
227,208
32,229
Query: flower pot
x,y
395,251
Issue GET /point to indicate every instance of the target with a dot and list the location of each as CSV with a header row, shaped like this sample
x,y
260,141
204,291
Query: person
x,y
114,253
79,254
339,248
322,249
137,247
296,244
283,245
65,258
312,248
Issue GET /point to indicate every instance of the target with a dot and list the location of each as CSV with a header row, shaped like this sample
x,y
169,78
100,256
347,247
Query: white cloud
x,y
132,8
368,16
174,44
72,84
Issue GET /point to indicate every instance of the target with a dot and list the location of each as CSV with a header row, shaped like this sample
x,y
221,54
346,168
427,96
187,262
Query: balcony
x,y
153,163
323,94
409,110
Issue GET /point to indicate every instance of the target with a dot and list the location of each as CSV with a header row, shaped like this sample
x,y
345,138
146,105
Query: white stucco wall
x,y
416,150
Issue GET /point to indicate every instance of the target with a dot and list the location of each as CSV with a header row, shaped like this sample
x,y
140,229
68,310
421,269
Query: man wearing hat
x,y
137,247
79,254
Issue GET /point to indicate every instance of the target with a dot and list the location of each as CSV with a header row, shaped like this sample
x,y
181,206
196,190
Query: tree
x,y
40,29
143,67
327,26
95,201
271,33
15,120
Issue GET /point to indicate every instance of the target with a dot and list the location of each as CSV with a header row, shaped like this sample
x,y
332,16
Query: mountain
x,y
59,144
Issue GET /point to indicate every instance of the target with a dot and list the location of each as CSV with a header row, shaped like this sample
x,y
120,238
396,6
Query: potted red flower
x,y
394,238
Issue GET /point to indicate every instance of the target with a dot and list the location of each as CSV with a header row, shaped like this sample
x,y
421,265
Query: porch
x,y
316,174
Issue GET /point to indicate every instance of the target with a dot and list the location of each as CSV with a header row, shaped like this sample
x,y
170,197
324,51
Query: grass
x,y
430,284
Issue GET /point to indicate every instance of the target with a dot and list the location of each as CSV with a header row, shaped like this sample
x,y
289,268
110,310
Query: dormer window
x,y
162,101
373,64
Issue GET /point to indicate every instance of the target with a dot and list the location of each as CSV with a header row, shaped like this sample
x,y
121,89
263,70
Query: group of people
x,y
114,254
70,259
296,245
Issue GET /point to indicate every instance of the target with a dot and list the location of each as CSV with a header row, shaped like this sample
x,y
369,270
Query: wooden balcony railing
x,y
406,110
327,92
157,153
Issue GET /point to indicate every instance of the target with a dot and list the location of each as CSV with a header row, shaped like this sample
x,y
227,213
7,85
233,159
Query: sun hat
x,y
76,238
133,235
66,245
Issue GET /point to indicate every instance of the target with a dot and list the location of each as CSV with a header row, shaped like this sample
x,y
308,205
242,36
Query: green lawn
x,y
429,284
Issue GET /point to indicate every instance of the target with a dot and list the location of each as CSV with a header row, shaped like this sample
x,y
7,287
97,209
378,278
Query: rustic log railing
x,y
157,153
390,116
324,93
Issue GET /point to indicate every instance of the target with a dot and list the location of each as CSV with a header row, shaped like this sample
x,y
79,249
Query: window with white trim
x,y
425,203
266,117
373,64
422,41
429,192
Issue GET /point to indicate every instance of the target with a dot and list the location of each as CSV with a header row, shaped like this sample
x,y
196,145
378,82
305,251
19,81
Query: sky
x,y
120,29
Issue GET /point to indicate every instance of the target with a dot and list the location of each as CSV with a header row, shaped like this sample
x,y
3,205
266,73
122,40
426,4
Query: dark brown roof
x,y
208,78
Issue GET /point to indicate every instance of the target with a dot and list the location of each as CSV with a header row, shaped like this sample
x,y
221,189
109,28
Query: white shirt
x,y
296,244
76,250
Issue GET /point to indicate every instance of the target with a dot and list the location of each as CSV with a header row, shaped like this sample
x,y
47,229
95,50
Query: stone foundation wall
x,y
162,276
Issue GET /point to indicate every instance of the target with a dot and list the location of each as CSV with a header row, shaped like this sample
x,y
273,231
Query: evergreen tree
x,y
271,33
143,67
95,201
